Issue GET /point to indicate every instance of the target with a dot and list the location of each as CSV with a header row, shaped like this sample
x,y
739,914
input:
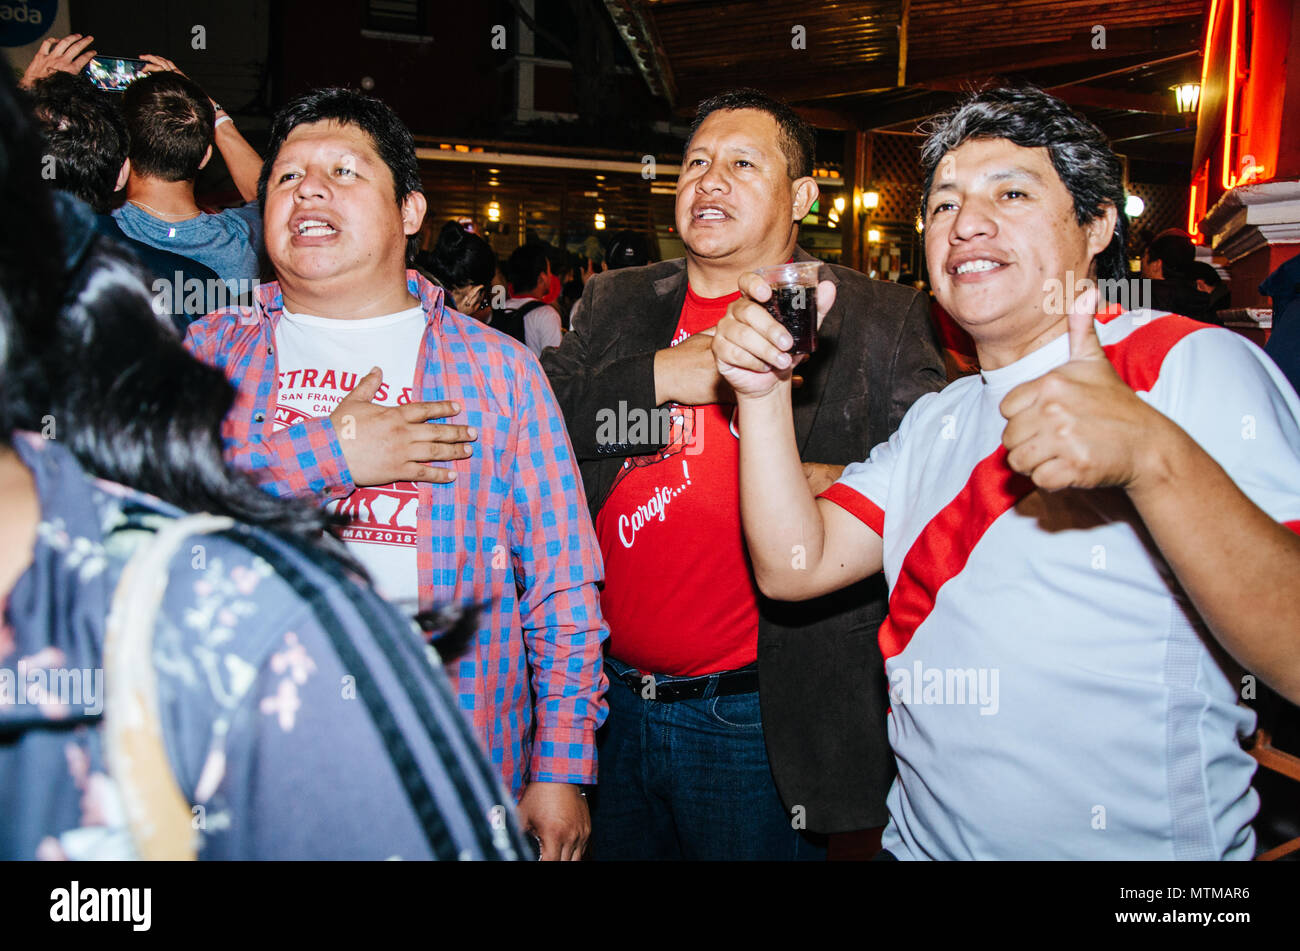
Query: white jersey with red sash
x,y
1053,694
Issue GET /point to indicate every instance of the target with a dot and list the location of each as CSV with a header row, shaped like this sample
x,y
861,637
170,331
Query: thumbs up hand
x,y
1080,426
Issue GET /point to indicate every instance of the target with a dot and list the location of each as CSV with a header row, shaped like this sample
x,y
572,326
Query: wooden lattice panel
x,y
896,174
1166,207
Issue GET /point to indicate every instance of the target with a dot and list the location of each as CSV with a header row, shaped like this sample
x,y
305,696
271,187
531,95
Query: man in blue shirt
x,y
87,140
173,127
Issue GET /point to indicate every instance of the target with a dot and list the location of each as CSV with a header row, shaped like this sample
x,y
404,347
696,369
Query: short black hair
x,y
1175,252
169,119
527,263
390,136
1200,271
797,140
1030,118
84,133
627,249
460,259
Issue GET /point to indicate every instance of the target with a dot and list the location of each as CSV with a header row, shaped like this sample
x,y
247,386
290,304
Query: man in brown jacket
x,y
696,762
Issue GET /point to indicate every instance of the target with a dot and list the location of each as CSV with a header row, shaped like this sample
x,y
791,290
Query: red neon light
x,y
1205,71
1209,33
1230,179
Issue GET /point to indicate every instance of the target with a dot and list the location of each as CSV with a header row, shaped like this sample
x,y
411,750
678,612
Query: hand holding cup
x,y
751,347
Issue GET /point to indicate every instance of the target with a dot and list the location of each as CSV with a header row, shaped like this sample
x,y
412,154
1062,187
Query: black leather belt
x,y
725,684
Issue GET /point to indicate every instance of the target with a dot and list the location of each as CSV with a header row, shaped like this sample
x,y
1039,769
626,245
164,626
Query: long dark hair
x,y
460,258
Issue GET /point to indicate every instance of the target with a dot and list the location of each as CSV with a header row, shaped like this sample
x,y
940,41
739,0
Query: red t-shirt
x,y
679,593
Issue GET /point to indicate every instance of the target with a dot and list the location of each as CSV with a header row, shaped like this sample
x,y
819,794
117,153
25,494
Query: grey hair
x,y
1030,118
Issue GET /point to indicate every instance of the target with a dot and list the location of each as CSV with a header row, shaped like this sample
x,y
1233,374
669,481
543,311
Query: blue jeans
x,y
688,780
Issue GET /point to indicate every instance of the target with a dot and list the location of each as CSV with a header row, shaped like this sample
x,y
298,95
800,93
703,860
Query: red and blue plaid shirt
x,y
512,531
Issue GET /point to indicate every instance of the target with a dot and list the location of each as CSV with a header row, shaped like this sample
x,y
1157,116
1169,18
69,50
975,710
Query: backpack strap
x,y
512,321
158,815
528,308
419,794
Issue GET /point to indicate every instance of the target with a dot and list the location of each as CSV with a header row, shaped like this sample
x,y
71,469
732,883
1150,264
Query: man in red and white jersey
x,y
1086,544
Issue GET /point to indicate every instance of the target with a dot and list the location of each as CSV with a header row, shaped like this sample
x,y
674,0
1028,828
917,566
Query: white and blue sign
x,y
25,21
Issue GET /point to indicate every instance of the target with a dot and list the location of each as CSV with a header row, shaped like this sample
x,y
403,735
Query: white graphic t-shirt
x,y
321,360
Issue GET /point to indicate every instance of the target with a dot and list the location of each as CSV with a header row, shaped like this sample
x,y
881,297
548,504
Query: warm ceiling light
x,y
1187,95
1134,206
494,171
493,182
873,236
839,203
494,211
871,200
600,178
600,221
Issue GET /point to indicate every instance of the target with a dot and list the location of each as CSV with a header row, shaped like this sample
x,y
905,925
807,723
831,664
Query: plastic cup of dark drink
x,y
794,301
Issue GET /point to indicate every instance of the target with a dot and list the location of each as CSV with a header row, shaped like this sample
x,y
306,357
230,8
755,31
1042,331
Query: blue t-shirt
x,y
228,242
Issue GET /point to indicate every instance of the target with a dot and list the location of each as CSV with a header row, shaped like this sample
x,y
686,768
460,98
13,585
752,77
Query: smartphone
x,y
114,73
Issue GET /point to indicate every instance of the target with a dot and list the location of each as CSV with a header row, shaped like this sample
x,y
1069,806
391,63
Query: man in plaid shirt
x,y
486,508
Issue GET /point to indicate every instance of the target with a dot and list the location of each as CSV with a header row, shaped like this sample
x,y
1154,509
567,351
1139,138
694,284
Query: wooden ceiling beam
x,y
1097,97
638,32
1122,129
821,117
817,82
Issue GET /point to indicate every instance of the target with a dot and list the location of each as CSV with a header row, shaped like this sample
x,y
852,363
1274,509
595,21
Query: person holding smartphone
x,y
174,127
69,54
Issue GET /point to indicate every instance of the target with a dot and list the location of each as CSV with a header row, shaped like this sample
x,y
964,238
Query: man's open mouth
x,y
314,228
709,213
973,267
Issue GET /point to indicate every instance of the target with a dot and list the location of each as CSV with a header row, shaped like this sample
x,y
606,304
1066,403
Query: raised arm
x,y
67,55
800,546
1080,426
1239,566
243,163
242,160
